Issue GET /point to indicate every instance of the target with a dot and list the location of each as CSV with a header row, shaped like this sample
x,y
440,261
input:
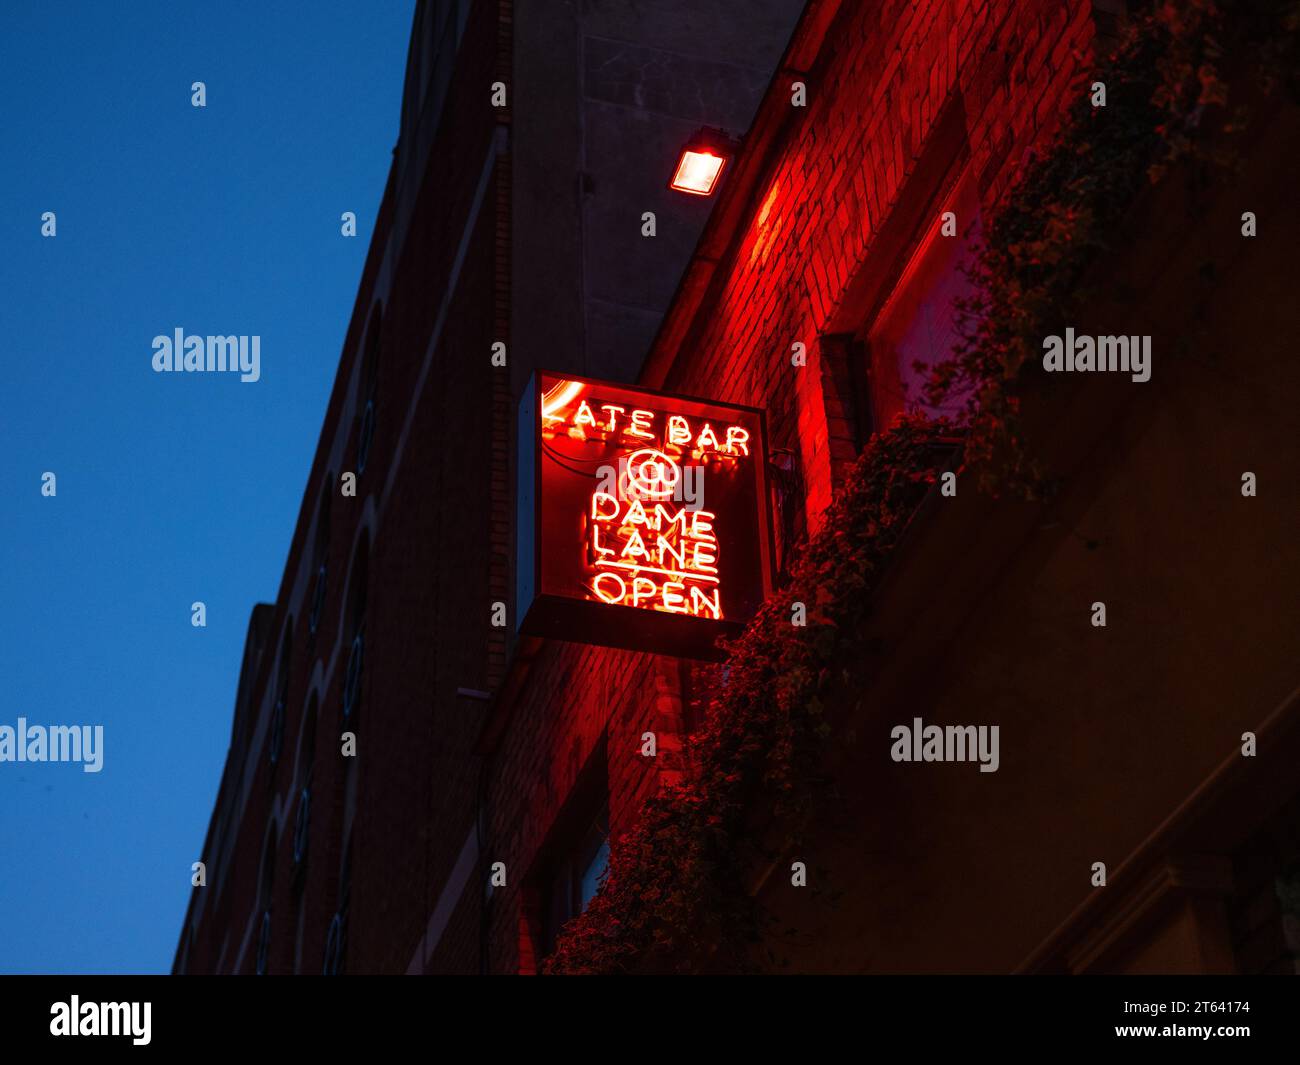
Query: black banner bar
x,y
246,1014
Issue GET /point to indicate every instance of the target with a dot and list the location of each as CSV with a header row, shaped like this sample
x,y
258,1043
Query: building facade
x,y
413,787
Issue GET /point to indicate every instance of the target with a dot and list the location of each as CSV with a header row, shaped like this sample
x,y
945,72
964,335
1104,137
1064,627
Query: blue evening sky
x,y
171,488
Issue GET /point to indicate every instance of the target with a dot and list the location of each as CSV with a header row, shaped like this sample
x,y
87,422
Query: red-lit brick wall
x,y
883,77
575,697
884,74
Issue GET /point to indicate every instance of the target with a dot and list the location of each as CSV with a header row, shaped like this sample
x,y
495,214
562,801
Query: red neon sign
x,y
648,525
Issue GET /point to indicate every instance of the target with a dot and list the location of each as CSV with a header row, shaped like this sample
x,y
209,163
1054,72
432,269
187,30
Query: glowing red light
x,y
643,520
559,396
641,547
697,172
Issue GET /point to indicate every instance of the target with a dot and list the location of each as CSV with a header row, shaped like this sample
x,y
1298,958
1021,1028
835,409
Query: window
x,y
435,40
917,324
302,819
320,557
336,940
592,871
368,394
355,632
571,865
575,878
276,745
265,894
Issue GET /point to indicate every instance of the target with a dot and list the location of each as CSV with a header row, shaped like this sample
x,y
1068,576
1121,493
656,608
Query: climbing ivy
x,y
1163,95
676,889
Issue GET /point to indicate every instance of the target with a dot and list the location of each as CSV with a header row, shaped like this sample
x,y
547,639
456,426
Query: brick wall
x,y
874,95
406,801
580,703
434,501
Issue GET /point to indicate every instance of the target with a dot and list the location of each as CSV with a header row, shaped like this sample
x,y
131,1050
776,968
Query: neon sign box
x,y
642,516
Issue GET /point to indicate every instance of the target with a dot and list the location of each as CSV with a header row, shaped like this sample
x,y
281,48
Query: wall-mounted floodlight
x,y
702,160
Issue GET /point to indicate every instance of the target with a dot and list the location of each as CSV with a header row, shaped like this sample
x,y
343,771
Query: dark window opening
x,y
320,558
368,396
278,712
336,941
265,895
302,819
355,633
574,879
789,517
572,864
918,323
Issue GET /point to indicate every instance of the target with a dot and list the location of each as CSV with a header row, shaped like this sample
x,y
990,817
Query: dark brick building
x,y
521,225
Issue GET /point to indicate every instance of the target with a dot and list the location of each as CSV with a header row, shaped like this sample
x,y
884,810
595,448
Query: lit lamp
x,y
701,162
